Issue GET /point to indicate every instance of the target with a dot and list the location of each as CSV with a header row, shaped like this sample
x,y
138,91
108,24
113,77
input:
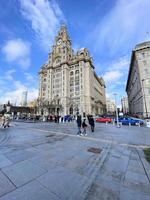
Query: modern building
x,y
24,98
125,105
138,83
110,106
68,83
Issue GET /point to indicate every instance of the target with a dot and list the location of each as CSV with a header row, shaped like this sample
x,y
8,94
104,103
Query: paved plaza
x,y
48,161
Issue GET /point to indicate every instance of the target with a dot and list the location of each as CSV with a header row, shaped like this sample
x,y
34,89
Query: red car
x,y
104,119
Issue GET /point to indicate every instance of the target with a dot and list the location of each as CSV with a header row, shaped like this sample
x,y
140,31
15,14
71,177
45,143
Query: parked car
x,y
129,120
104,119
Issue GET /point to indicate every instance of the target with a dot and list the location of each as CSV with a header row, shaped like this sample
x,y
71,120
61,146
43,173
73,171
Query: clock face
x,y
59,42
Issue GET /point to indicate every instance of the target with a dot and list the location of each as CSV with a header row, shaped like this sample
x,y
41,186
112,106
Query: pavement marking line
x,y
93,139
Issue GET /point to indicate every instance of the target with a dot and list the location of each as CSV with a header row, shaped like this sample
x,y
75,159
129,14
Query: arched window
x,y
77,72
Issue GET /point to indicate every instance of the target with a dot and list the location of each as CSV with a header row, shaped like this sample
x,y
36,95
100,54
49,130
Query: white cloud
x,y
17,51
9,74
11,89
112,76
30,78
116,71
15,95
125,25
44,16
120,64
115,76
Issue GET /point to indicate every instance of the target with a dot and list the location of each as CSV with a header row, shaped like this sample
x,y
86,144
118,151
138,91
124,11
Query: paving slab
x,y
66,184
4,161
131,194
23,172
18,156
5,185
30,191
100,192
136,178
137,182
60,166
136,166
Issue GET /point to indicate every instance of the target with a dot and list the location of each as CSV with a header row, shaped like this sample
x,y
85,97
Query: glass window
x,y
146,71
77,88
77,83
77,72
71,89
71,73
77,78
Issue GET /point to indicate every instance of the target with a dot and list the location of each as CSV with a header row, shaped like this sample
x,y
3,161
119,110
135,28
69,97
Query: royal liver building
x,y
68,83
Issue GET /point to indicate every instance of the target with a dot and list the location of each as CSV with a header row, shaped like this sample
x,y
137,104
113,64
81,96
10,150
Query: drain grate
x,y
94,150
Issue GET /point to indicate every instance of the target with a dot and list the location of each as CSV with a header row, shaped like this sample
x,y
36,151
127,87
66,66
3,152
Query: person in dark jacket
x,y
79,122
84,126
91,122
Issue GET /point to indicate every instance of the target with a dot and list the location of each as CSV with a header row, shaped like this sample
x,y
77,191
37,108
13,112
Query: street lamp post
x,y
144,98
116,109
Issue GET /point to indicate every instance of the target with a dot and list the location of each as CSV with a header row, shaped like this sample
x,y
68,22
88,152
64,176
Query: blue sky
x,y
108,28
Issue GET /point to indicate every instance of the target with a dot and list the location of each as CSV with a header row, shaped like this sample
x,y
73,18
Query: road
x,y
48,161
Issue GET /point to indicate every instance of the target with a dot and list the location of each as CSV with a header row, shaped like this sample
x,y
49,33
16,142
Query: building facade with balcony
x,y
68,83
138,83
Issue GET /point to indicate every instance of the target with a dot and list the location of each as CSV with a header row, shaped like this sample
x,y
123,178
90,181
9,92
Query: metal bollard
x,y
106,123
139,125
129,124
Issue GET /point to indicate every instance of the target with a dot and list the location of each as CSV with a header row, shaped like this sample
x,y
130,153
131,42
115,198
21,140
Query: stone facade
x,y
125,105
68,83
138,83
110,105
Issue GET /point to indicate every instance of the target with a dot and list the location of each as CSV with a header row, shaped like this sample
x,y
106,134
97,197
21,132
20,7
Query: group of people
x,y
82,124
4,121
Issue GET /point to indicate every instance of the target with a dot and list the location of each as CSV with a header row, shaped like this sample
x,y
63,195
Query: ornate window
x,y
77,72
71,73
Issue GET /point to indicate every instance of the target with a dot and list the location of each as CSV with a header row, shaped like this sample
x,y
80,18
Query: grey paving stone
x,y
23,172
5,185
44,162
146,164
64,183
137,182
19,156
136,177
4,161
117,164
107,182
99,192
31,191
80,163
129,194
136,166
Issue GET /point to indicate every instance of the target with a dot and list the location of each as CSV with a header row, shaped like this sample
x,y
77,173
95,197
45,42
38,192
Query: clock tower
x,y
61,50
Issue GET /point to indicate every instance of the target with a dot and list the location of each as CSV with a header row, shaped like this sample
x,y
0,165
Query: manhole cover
x,y
94,150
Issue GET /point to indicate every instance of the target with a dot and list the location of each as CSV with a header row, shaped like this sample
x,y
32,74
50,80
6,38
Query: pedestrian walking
x,y
3,121
91,122
6,122
84,126
79,123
